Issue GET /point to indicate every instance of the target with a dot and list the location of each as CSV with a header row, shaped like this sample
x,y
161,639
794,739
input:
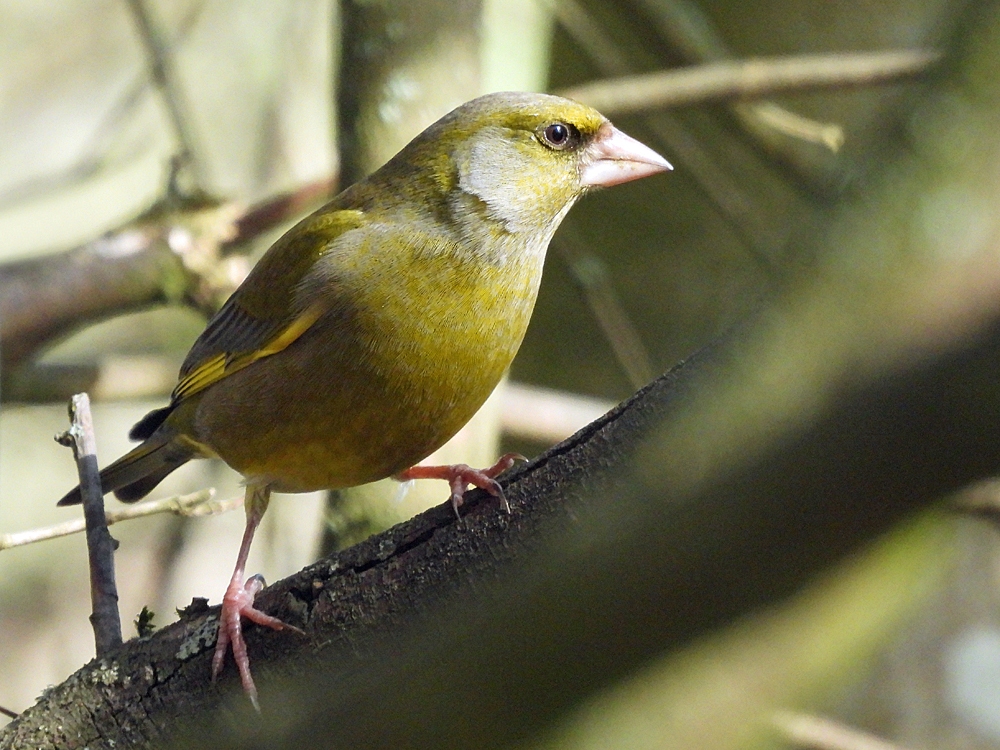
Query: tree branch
x,y
166,255
392,618
748,79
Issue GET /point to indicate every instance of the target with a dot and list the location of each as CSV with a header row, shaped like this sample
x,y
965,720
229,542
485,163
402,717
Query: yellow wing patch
x,y
214,369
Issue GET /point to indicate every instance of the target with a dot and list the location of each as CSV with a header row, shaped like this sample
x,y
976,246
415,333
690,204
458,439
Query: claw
x,y
461,476
238,603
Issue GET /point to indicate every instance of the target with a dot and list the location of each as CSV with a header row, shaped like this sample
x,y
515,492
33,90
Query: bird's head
x,y
519,161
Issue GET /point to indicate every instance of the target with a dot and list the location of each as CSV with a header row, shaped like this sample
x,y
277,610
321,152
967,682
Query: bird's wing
x,y
261,317
236,339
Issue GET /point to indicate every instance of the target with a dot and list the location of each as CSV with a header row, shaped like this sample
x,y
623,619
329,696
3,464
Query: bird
x,y
373,329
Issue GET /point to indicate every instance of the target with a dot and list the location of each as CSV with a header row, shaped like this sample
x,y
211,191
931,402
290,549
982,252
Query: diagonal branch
x,y
161,71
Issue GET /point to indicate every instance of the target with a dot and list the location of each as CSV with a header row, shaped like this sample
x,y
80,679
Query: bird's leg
x,y
460,476
238,600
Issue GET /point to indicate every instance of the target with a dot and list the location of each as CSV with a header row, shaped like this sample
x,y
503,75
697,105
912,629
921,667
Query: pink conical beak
x,y
614,158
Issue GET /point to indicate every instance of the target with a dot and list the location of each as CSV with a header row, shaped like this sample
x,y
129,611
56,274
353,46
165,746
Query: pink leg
x,y
460,476
238,600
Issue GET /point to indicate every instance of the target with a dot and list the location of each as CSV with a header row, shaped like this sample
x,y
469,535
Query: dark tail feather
x,y
138,489
136,473
145,427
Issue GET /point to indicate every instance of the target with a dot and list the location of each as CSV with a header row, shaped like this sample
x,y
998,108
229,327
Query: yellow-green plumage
x,y
374,329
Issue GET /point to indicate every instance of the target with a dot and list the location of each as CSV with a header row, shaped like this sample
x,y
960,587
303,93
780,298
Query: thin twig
x,y
196,504
819,733
690,33
607,309
100,546
592,37
162,75
8,712
104,136
767,116
745,79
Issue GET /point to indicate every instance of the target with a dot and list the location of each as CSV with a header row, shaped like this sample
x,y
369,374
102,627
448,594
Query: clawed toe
x,y
461,476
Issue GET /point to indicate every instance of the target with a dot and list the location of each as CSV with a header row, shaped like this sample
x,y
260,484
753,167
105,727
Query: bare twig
x,y
7,712
733,198
162,75
603,303
196,504
690,32
592,37
770,116
744,79
95,149
100,546
819,733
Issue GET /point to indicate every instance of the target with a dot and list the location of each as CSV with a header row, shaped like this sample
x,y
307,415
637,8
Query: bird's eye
x,y
560,135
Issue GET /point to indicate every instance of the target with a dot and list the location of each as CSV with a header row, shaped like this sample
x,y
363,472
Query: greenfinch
x,y
373,330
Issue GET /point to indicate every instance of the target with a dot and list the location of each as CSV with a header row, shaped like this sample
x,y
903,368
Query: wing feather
x,y
214,367
261,318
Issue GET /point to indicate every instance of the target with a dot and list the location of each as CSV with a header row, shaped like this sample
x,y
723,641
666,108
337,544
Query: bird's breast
x,y
379,382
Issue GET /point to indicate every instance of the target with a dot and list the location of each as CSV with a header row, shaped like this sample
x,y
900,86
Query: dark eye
x,y
560,135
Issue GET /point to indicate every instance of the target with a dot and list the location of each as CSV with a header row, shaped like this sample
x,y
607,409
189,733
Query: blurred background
x,y
155,129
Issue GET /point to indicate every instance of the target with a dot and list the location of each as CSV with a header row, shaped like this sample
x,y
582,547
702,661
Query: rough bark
x,y
512,619
345,602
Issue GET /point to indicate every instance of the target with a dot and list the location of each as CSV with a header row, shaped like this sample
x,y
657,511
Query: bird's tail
x,y
135,474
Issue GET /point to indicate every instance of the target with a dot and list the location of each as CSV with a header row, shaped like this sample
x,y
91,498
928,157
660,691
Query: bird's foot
x,y
461,476
236,604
